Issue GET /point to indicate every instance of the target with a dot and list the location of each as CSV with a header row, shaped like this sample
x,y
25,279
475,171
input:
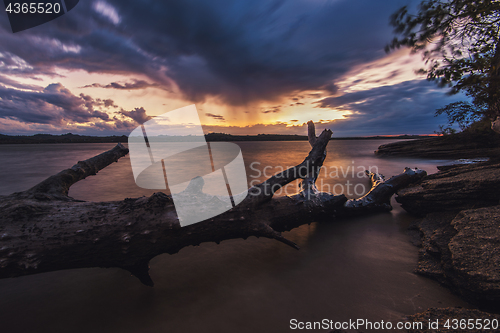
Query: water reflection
x,y
346,269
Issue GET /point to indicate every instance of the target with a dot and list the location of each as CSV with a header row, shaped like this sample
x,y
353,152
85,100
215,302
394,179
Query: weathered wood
x,y
43,229
379,196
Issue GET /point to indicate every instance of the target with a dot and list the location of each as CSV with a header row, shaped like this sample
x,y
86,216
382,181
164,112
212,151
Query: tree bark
x,y
43,229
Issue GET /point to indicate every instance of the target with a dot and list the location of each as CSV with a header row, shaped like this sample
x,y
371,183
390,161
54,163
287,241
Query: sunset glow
x,y
269,76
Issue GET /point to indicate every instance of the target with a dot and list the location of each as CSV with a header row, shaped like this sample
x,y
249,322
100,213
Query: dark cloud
x,y
215,116
117,126
238,51
388,95
9,82
54,105
134,85
405,108
315,95
275,109
108,103
138,115
330,88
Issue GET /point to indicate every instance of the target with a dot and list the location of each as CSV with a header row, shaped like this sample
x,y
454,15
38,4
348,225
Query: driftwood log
x,y
43,229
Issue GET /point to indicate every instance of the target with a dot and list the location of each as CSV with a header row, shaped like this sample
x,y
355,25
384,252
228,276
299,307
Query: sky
x,y
250,67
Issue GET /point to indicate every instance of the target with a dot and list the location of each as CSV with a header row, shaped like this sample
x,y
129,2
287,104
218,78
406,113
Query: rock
x,y
462,251
462,187
453,316
436,232
460,230
475,254
461,162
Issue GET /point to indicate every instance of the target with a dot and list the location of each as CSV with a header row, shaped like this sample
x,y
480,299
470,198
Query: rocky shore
x,y
458,229
462,145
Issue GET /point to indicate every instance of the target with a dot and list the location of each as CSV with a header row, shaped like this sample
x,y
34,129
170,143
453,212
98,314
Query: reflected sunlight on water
x,y
348,269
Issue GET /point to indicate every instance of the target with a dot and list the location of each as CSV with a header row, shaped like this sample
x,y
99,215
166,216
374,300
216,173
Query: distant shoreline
x,y
456,146
75,138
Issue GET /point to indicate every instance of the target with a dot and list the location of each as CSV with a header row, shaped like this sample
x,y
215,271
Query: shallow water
x,y
358,268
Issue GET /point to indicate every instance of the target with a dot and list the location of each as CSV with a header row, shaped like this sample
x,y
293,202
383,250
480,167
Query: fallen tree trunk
x,y
43,229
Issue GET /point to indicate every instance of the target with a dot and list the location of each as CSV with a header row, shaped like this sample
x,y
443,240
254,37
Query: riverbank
x,y
458,235
462,145
458,230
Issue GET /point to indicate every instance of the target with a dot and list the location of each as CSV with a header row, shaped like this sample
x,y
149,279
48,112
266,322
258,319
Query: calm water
x,y
347,269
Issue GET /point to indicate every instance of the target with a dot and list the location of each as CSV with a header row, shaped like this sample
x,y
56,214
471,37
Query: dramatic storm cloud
x,y
236,50
55,105
274,62
404,108
135,84
138,115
